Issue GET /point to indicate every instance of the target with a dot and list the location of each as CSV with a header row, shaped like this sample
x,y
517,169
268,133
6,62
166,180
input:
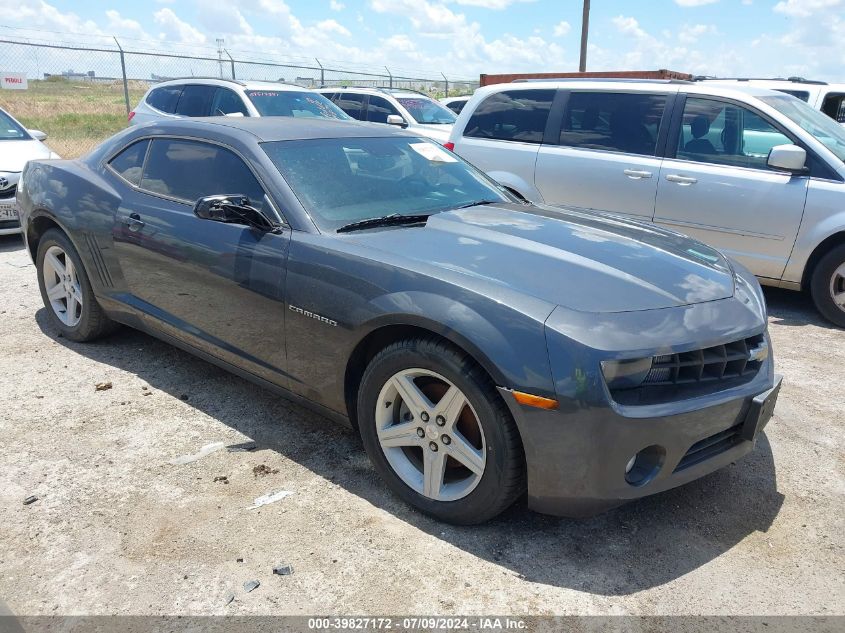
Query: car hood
x,y
14,154
439,133
586,262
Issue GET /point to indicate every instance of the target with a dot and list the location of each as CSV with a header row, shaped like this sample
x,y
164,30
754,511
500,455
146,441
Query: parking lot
x,y
118,529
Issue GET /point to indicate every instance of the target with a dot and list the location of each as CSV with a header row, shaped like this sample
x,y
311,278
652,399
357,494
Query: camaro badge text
x,y
313,315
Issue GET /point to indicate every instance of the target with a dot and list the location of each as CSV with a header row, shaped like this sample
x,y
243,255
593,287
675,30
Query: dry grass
x,y
75,115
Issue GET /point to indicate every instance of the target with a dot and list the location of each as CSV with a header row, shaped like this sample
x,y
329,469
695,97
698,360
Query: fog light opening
x,y
644,466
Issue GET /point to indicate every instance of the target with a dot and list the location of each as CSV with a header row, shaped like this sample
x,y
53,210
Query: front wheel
x,y
827,286
66,291
438,433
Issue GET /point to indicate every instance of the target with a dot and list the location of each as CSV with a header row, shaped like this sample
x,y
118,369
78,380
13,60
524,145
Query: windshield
x,y
10,130
425,110
826,130
294,103
345,180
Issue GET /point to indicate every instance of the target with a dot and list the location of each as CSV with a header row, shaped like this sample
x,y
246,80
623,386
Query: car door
x,y
715,184
604,155
227,101
352,103
218,287
379,108
195,100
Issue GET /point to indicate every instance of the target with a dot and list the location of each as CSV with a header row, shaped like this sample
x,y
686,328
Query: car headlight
x,y
626,374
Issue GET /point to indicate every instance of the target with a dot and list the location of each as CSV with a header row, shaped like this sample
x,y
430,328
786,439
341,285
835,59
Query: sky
x,y
463,38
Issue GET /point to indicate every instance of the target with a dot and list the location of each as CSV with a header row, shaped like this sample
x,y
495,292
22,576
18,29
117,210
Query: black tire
x,y
503,479
93,322
820,285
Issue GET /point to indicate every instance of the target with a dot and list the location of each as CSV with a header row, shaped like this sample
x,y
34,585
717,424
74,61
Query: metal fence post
x,y
123,72
231,61
322,73
389,74
447,84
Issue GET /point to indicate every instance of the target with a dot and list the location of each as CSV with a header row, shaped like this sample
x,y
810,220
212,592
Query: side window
x,y
195,101
227,102
726,134
379,108
834,107
512,115
351,103
130,161
165,98
614,122
456,106
189,170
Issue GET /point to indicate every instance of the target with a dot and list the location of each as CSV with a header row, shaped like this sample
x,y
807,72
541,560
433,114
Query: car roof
x,y
276,128
218,81
394,92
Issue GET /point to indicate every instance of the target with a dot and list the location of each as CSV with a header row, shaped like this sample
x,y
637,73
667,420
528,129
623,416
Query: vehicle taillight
x,y
131,114
449,145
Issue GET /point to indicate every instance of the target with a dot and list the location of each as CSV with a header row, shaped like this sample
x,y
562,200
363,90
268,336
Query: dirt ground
x,y
118,529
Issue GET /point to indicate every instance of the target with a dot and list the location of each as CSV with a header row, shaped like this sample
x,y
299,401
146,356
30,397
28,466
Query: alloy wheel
x,y
62,285
837,287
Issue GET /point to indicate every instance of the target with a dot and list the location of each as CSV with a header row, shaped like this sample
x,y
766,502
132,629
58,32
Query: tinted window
x,y
130,161
10,130
351,103
189,170
379,109
614,122
514,115
834,107
227,102
195,101
165,98
341,180
726,134
295,103
456,106
428,111
801,94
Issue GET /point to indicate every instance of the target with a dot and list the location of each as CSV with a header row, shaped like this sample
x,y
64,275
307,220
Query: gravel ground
x,y
118,529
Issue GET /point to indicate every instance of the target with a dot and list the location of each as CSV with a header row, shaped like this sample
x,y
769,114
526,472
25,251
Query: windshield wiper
x,y
394,219
478,203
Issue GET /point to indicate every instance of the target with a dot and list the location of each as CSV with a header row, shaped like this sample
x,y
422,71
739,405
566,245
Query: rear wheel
x,y
438,433
66,291
828,286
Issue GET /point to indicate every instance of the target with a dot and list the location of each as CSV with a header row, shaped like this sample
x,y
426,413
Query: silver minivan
x,y
756,173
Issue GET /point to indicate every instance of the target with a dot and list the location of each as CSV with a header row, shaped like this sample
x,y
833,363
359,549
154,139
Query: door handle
x,y
636,174
133,221
681,180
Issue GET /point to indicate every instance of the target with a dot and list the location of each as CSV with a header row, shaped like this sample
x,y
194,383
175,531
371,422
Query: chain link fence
x,y
79,96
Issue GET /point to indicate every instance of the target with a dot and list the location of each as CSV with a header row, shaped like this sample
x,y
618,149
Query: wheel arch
x,y
38,225
518,185
830,242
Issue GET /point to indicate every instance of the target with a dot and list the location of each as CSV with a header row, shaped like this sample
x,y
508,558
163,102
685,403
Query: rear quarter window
x,y
512,115
164,98
130,162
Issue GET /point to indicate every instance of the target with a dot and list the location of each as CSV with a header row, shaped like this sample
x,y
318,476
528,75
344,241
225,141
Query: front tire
x,y
66,291
827,286
438,433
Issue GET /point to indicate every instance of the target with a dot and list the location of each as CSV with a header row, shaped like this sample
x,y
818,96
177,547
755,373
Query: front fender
x,y
512,181
824,217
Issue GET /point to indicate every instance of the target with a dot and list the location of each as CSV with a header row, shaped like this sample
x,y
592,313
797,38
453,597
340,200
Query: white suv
x,y
415,111
756,173
195,97
829,98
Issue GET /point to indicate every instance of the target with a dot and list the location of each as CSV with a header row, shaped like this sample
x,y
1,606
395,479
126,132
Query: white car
x,y
198,97
455,104
17,146
829,98
755,173
414,111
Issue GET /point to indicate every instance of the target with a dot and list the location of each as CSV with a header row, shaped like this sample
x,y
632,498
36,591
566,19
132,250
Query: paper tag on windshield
x,y
433,153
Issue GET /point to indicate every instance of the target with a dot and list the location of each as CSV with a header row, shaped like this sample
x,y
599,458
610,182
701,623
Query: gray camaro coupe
x,y
481,346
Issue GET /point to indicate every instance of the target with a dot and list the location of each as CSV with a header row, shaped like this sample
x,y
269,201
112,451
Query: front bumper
x,y
577,460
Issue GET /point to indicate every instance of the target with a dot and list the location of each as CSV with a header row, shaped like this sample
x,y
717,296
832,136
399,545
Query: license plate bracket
x,y
760,412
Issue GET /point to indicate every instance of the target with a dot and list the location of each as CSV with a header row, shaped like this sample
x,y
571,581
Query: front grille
x,y
697,372
9,224
9,193
711,446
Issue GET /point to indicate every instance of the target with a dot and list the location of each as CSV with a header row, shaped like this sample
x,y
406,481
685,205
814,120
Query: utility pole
x,y
585,27
220,43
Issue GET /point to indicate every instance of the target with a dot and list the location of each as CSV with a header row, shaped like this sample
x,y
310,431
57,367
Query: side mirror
x,y
237,115
789,158
38,135
395,119
234,209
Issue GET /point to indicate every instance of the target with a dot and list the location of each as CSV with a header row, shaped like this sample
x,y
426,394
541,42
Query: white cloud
x,y
172,28
805,8
562,28
694,3
124,27
689,34
628,26
333,26
496,5
334,5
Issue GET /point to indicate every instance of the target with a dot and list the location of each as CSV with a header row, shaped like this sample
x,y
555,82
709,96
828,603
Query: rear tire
x,y
66,291
473,449
827,286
